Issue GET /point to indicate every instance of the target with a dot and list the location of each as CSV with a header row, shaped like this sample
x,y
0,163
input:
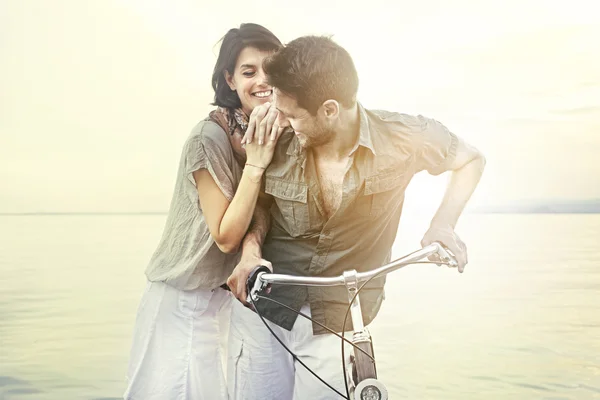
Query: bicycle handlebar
x,y
262,276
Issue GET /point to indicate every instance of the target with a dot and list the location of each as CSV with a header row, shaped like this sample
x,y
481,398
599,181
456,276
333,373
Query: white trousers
x,y
178,345
259,368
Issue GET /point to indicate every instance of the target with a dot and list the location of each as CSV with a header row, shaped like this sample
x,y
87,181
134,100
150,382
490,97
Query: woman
x,y
181,325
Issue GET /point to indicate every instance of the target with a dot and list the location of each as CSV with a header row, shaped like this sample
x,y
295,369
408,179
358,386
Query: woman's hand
x,y
263,124
261,136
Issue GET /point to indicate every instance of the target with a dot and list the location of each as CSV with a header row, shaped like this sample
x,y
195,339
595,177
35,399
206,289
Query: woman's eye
x,y
248,73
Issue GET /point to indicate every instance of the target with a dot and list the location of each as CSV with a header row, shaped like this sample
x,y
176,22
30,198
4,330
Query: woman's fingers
x,y
266,125
256,118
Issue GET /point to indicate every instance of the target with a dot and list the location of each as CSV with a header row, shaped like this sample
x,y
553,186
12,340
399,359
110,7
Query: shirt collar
x,y
296,151
364,139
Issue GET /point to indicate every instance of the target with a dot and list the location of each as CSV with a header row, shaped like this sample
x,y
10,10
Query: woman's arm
x,y
226,221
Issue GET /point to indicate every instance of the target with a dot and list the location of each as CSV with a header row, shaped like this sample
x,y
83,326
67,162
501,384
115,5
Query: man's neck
x,y
345,138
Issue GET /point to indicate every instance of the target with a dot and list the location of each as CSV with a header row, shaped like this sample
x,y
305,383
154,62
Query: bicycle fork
x,y
364,370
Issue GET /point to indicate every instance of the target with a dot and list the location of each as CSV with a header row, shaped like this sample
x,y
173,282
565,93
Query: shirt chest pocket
x,y
292,206
382,192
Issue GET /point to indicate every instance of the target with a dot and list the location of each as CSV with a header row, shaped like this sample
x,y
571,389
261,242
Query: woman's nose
x,y
261,77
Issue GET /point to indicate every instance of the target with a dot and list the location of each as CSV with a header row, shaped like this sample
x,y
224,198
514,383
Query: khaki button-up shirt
x,y
392,148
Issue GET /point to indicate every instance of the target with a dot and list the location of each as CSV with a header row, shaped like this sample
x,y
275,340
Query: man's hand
x,y
239,277
445,235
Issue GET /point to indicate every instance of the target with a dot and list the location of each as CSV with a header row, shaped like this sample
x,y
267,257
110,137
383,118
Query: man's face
x,y
311,130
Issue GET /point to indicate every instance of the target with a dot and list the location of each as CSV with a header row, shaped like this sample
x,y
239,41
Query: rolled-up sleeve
x,y
436,146
208,149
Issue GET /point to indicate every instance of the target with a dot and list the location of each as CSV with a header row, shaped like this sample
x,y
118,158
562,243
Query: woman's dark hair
x,y
234,41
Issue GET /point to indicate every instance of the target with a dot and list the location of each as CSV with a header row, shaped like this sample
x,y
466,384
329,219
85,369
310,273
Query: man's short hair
x,y
313,69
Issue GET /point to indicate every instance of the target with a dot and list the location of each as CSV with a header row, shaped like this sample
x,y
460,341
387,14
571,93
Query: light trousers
x,y
259,368
179,343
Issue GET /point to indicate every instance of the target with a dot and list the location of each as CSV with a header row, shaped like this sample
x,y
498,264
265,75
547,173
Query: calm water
x,y
523,322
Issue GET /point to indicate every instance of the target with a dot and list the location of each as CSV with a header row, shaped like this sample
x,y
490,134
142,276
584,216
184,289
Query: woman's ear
x,y
229,79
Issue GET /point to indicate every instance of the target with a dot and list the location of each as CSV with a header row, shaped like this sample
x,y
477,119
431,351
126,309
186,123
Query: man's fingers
x,y
267,264
461,258
238,280
459,253
463,246
450,240
451,245
231,283
244,296
239,291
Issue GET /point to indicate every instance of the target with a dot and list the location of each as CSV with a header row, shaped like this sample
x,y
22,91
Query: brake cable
x,y
343,339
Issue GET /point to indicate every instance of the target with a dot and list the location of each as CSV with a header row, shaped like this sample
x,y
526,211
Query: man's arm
x,y
467,169
252,248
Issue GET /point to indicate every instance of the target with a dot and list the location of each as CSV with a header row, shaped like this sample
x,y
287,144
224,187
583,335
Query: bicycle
x,y
361,371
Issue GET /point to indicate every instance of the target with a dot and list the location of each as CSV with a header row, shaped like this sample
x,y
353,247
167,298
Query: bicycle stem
x,y
351,282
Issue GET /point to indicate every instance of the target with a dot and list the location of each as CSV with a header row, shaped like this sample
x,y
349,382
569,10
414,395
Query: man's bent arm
x,y
467,169
255,237
252,248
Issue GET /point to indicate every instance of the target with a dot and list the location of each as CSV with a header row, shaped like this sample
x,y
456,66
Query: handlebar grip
x,y
253,276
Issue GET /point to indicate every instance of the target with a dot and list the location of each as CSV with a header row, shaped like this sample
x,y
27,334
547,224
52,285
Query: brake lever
x,y
252,288
446,256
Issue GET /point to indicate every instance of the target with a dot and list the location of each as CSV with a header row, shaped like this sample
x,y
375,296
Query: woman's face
x,y
249,80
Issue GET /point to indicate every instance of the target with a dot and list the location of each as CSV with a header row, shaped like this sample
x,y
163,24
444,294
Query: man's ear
x,y
330,109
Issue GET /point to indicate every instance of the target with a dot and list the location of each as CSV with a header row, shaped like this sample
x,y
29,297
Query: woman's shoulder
x,y
208,134
207,129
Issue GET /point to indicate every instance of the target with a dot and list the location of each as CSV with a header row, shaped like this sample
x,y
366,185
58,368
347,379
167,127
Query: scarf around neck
x,y
232,120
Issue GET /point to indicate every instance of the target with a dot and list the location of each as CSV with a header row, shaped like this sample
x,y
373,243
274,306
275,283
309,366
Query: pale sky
x,y
97,97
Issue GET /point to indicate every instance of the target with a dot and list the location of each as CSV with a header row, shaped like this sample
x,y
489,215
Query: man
x,y
333,195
